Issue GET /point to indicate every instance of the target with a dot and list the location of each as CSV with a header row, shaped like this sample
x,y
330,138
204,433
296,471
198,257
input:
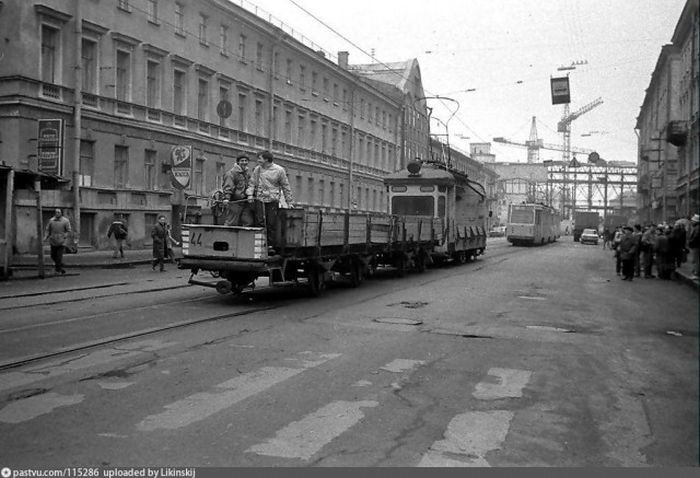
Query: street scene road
x,y
528,356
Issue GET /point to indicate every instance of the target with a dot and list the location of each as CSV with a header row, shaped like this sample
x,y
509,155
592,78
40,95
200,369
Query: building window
x,y
179,92
203,29
87,162
179,18
335,92
312,134
376,116
314,83
49,54
288,126
324,138
334,142
123,75
152,84
332,202
276,63
259,55
259,117
223,40
149,169
301,129
89,52
242,119
362,108
202,99
310,189
290,65
241,47
152,10
223,96
322,192
121,166
273,133
198,185
302,76
219,177
326,87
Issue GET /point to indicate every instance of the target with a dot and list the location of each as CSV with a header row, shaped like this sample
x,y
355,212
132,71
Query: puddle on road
x,y
410,305
398,321
549,328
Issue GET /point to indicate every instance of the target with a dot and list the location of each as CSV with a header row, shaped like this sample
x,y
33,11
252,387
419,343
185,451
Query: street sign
x,y
50,146
181,166
560,90
224,109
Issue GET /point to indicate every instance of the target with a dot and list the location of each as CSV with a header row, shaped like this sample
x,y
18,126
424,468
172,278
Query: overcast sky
x,y
506,51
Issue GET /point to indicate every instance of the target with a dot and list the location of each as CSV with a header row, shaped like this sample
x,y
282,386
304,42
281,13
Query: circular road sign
x,y
224,109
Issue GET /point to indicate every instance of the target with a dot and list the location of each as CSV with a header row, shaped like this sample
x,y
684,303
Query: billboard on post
x,y
560,90
181,166
49,146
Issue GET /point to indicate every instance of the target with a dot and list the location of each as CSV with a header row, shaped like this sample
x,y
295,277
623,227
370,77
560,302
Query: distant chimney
x,y
343,59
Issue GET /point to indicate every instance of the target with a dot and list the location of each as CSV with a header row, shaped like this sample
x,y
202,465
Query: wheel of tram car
x,y
421,261
317,281
401,265
356,273
461,257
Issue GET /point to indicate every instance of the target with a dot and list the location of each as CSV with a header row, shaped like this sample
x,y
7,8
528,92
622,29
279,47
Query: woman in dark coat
x,y
159,233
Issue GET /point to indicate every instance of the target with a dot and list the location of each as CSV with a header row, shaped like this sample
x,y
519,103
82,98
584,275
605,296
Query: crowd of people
x,y
641,251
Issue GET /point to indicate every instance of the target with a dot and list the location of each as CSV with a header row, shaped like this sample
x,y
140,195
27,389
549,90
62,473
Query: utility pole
x,y
77,119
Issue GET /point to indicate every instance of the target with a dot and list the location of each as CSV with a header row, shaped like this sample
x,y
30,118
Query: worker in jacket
x,y
268,184
237,210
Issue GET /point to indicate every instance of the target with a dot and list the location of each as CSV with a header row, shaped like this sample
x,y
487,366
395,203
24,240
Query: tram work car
x,y
532,224
435,215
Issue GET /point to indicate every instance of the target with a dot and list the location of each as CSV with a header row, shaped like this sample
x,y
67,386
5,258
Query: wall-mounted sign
x,y
181,162
50,146
560,90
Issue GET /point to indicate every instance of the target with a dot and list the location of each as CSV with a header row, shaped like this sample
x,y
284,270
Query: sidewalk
x,y
26,266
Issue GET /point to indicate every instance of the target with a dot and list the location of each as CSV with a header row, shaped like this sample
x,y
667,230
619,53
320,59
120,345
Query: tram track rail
x,y
72,349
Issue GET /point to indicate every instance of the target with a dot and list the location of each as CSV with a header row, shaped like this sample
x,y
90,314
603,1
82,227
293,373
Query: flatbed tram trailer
x,y
532,224
313,246
310,248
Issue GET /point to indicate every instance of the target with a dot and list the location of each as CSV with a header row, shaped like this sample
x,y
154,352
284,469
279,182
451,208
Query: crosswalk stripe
x,y
510,384
468,438
32,407
303,438
202,405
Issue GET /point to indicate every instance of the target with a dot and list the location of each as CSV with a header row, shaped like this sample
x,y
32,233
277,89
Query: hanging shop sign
x,y
50,146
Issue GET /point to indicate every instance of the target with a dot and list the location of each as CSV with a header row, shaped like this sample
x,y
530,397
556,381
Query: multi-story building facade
x,y
131,79
667,127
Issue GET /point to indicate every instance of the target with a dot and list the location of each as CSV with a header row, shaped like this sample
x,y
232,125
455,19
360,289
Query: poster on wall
x,y
181,166
50,146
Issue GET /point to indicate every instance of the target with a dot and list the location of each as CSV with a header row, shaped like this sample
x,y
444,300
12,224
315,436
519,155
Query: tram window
x,y
399,189
442,189
413,205
441,206
427,189
522,215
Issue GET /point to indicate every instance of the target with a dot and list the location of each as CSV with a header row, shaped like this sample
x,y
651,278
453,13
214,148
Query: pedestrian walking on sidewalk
x,y
159,234
57,232
120,231
171,243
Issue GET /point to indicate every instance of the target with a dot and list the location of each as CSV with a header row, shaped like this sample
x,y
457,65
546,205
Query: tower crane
x,y
534,144
564,125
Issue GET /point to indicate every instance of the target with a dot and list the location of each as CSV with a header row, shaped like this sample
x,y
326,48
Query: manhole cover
x,y
398,321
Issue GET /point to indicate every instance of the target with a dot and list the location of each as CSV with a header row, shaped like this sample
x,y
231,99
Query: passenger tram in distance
x,y
532,224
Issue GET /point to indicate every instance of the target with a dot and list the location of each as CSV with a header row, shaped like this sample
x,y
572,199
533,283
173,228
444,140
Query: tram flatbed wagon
x,y
310,245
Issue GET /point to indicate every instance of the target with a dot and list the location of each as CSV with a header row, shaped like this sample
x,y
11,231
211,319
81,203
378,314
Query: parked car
x,y
497,231
589,236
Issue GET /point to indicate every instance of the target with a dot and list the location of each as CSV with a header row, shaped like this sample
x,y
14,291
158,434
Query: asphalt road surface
x,y
526,357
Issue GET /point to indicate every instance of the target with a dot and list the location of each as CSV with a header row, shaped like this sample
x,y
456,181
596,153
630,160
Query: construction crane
x,y
564,125
534,144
